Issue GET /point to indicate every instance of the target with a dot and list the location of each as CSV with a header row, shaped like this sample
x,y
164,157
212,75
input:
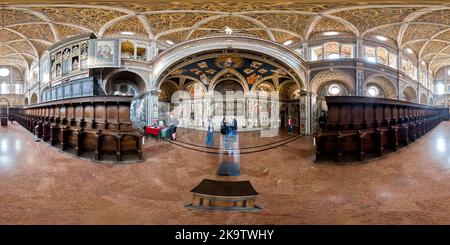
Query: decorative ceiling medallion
x,y
229,61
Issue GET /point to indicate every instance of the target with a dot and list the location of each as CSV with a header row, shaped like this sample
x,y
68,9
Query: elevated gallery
x,y
224,112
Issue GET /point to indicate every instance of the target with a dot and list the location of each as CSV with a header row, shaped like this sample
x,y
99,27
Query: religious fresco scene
x,y
224,112
208,77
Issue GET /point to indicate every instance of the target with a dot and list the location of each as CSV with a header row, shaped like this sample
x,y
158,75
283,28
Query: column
x,y
306,115
359,49
359,83
153,107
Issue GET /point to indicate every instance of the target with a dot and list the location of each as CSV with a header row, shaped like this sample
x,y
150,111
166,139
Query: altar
x,y
251,112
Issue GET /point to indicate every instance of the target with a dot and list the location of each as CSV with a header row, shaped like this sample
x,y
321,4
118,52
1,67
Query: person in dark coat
x,y
234,127
223,126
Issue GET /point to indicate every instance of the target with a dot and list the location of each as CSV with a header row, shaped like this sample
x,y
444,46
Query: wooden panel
x,y
357,113
89,113
79,113
88,136
112,113
348,141
100,112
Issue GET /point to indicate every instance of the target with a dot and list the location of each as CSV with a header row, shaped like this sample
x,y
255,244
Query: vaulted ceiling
x,y
27,29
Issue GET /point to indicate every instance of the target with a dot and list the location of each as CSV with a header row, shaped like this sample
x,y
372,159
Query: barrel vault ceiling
x,y
29,27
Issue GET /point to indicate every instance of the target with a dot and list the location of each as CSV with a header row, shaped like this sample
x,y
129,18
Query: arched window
x,y
18,88
347,51
393,60
440,88
4,88
382,56
331,50
369,54
316,53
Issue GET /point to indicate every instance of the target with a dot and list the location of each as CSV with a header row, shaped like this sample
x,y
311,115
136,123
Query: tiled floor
x,y
40,185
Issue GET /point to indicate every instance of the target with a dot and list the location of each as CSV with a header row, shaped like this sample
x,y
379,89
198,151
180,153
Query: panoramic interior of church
x,y
224,112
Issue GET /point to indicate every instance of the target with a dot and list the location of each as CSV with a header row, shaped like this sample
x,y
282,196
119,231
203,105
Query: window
x,y
369,54
347,51
316,53
334,89
18,88
409,68
404,66
423,76
393,60
382,56
333,56
440,88
4,88
414,71
372,91
4,72
331,50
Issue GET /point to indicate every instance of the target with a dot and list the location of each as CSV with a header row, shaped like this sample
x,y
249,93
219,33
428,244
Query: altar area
x,y
252,112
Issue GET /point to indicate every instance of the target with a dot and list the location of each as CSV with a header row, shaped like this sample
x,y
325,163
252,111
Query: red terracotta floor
x,y
40,185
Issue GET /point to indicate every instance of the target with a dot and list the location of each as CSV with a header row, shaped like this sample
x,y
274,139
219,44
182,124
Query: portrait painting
x,y
253,78
58,70
58,55
204,78
75,49
105,53
84,49
229,61
202,65
75,63
210,71
256,64
66,53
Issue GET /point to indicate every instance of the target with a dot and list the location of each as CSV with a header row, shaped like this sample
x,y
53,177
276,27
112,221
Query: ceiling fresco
x,y
28,27
209,67
251,70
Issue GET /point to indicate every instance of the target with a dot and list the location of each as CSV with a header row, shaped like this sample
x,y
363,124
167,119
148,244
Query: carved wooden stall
x,y
3,116
98,127
362,127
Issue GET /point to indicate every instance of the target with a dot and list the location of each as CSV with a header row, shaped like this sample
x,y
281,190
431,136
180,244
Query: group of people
x,y
226,128
230,127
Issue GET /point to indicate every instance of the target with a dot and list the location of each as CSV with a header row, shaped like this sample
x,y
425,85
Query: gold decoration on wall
x,y
167,21
266,20
229,61
132,25
367,18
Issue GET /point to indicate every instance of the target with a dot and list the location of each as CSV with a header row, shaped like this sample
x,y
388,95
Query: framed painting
x,y
104,53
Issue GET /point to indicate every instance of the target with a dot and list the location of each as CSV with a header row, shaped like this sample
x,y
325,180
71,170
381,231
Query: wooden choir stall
x,y
357,127
3,116
97,127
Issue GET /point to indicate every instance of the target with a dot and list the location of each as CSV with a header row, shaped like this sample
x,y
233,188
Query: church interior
x,y
224,112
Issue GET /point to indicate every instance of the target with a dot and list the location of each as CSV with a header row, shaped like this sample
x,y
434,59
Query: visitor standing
x,y
173,127
289,125
223,126
234,124
210,132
